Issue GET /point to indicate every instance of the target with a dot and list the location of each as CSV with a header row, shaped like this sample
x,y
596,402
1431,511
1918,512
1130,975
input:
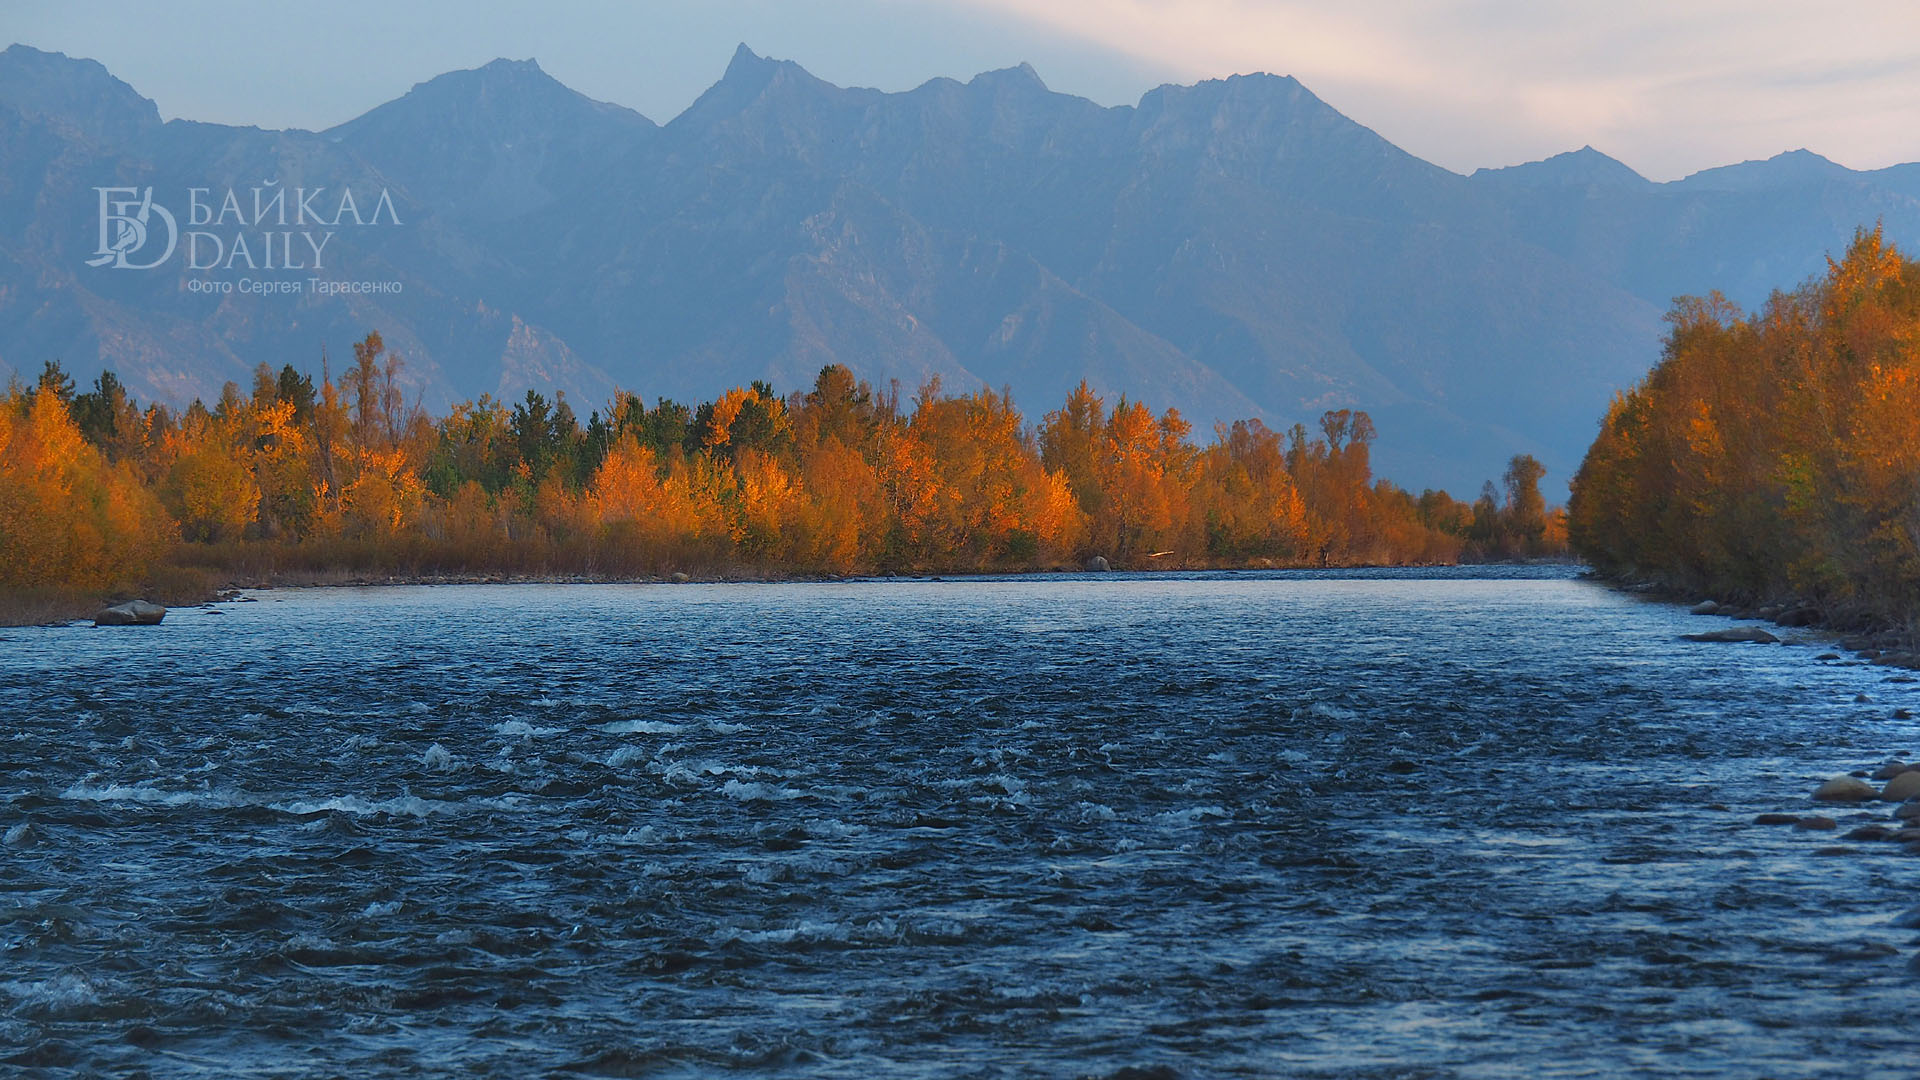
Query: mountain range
x,y
1235,248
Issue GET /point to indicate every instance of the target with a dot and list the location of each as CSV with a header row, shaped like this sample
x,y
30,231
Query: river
x,y
1419,824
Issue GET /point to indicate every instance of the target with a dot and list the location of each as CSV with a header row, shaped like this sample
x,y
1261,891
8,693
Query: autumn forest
x,y
1773,456
102,495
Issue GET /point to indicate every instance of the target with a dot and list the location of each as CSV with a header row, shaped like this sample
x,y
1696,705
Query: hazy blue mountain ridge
x,y
1234,248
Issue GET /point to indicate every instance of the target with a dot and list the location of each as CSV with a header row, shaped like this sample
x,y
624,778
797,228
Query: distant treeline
x,y
94,488
1773,456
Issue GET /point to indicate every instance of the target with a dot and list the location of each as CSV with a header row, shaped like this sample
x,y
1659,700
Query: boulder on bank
x,y
1800,616
1097,565
1901,788
131,613
1705,607
1735,633
1846,789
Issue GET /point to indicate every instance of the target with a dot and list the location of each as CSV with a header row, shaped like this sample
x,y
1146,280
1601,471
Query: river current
x,y
1410,824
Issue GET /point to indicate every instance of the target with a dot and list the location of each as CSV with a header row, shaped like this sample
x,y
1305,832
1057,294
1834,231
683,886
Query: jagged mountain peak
x,y
755,83
78,94
1236,247
1256,88
493,142
500,65
1020,77
1585,167
749,74
1256,105
1794,168
745,63
1272,131
505,94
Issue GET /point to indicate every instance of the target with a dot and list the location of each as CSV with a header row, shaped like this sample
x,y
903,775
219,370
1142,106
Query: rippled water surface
x,y
1398,825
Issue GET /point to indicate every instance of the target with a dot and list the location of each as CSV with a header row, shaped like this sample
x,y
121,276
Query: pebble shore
x,y
1895,782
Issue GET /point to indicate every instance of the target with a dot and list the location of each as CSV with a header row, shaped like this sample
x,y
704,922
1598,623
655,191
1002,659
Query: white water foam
x,y
805,931
521,727
1191,815
834,827
399,806
641,727
627,755
1090,812
59,993
757,792
693,772
147,795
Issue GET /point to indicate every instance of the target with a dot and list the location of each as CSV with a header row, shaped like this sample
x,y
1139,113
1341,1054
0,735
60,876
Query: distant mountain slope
x,y
1235,248
494,143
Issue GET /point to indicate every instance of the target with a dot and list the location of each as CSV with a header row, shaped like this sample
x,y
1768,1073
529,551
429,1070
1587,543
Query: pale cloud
x,y
1667,87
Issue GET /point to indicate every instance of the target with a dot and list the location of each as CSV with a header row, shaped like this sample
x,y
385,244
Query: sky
x,y
1667,86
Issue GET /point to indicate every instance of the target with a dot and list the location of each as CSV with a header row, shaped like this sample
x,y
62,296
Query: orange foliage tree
x,y
836,479
1773,455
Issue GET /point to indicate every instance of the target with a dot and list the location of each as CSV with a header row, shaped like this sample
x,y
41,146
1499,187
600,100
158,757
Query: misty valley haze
x,y
1235,249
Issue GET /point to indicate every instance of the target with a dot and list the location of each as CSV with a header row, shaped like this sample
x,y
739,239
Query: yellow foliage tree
x,y
68,520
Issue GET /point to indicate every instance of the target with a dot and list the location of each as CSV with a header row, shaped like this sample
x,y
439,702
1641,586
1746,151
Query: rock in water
x,y
1735,633
1800,616
1845,789
1901,788
1705,607
132,613
1816,822
1098,565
